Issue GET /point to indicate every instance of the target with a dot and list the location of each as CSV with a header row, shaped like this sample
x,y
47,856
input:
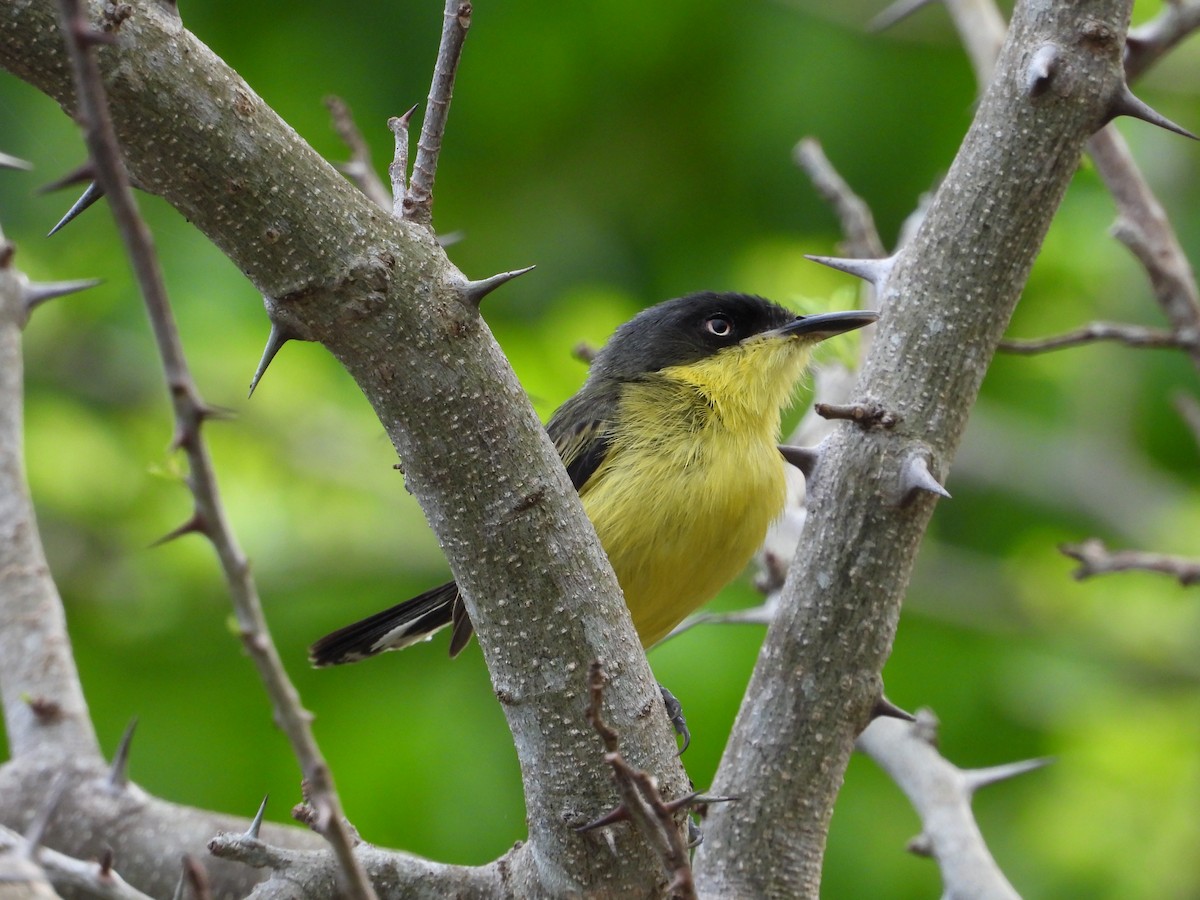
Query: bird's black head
x,y
684,330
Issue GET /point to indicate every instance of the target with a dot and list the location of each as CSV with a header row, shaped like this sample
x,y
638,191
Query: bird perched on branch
x,y
672,445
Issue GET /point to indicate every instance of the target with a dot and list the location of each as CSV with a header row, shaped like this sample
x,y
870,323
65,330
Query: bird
x,y
672,444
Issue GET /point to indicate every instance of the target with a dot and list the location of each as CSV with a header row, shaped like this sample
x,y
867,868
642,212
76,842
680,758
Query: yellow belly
x,y
681,511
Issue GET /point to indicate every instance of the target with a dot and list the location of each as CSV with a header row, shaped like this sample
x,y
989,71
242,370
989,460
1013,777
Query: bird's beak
x,y
825,325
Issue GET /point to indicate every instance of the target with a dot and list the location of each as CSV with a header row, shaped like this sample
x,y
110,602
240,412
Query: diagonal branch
x,y
190,412
818,675
358,169
418,203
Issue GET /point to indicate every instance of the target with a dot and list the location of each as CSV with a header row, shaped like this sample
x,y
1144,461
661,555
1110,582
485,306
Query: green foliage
x,y
633,151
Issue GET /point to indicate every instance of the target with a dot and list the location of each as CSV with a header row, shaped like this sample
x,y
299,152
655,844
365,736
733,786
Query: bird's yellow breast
x,y
692,479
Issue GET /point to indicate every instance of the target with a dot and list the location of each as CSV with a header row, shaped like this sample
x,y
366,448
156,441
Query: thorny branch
x,y
1141,224
190,412
641,801
941,794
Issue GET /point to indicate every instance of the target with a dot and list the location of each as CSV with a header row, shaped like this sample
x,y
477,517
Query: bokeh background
x,y
634,151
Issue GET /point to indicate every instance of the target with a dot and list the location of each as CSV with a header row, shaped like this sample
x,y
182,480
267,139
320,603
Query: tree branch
x,y
359,168
190,412
45,712
817,678
1095,558
381,295
418,202
941,794
1095,332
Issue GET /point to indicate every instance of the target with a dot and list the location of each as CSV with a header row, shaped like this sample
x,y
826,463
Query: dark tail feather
x,y
403,624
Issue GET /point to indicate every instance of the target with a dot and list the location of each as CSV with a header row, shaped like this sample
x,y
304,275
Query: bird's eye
x,y
719,326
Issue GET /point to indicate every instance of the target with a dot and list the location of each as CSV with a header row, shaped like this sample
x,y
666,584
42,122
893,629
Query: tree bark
x,y
944,307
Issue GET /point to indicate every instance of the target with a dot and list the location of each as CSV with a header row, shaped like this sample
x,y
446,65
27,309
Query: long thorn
x,y
1125,103
475,291
255,825
12,162
90,195
977,778
875,271
35,294
885,707
275,340
118,774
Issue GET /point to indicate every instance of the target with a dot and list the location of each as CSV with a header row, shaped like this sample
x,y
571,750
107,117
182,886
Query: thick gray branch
x,y
44,708
945,306
381,295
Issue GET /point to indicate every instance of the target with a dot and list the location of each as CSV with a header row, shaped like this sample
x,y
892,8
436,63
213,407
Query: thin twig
x,y
1142,225
1148,43
358,169
858,225
454,32
641,801
1095,558
190,412
1095,332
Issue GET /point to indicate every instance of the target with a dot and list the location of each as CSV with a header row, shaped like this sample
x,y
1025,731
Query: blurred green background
x,y
634,152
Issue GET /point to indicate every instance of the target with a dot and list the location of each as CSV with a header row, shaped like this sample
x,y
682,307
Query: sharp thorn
x,y
450,238
90,195
896,12
275,340
475,291
1125,103
407,117
78,175
35,293
620,814
875,271
915,476
180,886
193,525
12,162
974,779
118,774
885,707
803,458
252,831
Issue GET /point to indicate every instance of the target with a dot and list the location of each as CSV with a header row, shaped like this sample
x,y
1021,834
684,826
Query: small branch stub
x,y
865,415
